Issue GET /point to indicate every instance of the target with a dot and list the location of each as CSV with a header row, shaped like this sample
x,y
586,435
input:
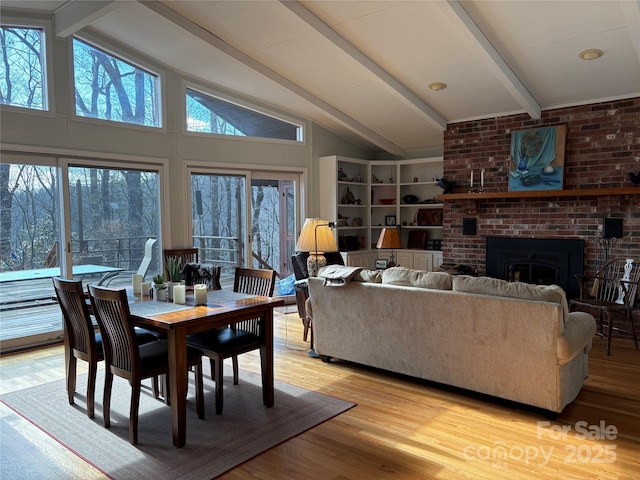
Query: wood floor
x,y
401,428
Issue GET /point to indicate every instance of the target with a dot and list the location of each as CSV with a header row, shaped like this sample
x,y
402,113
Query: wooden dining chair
x,y
612,291
239,338
80,338
126,358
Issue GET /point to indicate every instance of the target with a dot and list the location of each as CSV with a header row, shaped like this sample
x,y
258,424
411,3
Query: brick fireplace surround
x,y
602,147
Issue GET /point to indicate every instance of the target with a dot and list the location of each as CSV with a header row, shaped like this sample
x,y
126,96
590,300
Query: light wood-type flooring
x,y
401,428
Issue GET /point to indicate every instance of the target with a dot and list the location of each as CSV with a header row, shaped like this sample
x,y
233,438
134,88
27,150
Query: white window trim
x,y
48,89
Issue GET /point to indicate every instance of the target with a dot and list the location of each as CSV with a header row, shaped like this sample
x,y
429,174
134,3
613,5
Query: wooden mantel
x,y
579,192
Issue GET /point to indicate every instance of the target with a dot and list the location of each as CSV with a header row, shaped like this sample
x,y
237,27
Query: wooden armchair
x,y
611,292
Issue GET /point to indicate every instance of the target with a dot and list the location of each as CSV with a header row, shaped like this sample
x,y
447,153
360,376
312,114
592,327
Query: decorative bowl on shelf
x,y
410,199
387,201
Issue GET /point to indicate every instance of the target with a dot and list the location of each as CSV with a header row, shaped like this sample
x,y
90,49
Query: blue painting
x,y
537,159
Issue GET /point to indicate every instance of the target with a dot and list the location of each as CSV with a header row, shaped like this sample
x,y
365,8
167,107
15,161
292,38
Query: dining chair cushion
x,y
143,335
223,338
154,355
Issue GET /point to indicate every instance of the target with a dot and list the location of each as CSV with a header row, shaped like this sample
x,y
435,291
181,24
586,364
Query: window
x,y
110,88
209,114
23,82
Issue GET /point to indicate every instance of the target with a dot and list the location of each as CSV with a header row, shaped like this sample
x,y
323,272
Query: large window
x,y
103,227
23,80
110,88
209,114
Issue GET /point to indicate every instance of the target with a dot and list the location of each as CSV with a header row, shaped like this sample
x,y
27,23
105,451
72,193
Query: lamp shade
x,y
389,238
316,236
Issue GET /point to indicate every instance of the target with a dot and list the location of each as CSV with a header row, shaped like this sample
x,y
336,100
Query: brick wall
x,y
602,147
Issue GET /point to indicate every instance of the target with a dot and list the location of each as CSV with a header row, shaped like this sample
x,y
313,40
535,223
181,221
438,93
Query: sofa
x,y
510,340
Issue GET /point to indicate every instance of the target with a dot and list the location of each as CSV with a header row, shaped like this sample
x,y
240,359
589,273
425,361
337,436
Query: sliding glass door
x,y
29,249
273,220
114,223
224,223
75,219
219,219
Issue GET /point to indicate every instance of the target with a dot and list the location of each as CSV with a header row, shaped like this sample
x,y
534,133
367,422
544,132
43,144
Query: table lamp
x,y
390,238
316,238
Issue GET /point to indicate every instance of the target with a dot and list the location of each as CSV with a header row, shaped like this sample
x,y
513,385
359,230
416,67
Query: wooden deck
x,y
30,315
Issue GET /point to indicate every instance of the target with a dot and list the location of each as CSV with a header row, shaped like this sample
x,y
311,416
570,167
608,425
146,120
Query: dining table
x,y
223,307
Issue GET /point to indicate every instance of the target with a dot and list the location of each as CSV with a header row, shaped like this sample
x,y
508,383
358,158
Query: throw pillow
x,y
416,278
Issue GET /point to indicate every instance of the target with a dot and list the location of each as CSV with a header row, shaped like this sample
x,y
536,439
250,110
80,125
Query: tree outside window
x,y
109,88
23,79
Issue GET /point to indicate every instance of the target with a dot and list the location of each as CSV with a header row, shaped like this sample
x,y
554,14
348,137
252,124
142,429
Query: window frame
x,y
48,90
109,47
227,97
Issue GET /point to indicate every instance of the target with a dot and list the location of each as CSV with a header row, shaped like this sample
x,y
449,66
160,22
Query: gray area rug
x,y
214,445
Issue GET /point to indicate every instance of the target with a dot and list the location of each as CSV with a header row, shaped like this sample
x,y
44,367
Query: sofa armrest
x,y
578,334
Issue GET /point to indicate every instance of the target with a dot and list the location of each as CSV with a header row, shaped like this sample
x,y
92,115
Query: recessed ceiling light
x,y
435,86
590,54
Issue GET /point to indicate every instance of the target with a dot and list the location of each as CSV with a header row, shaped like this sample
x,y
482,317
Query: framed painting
x,y
537,159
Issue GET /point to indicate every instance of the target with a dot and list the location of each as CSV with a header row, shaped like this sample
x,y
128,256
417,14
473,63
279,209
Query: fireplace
x,y
542,261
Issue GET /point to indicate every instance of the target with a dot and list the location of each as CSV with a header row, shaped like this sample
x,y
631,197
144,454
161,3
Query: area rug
x,y
214,445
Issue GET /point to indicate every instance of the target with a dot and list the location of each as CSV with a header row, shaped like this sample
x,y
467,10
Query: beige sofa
x,y
510,340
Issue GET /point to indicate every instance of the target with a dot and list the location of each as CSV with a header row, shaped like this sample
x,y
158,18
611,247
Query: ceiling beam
x,y
75,15
330,34
221,45
631,12
454,10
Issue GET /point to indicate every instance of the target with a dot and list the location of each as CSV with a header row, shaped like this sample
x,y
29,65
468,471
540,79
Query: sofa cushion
x,y
503,288
371,276
416,278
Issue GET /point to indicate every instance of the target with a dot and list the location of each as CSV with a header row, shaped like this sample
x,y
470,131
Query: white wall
x,y
61,131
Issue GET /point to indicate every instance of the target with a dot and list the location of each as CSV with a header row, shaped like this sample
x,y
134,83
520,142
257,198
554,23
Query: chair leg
x,y
91,388
633,328
234,360
154,387
219,380
199,391
306,323
71,378
106,400
133,413
609,329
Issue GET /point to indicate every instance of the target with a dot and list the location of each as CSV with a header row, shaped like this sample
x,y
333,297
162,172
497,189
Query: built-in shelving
x,y
365,196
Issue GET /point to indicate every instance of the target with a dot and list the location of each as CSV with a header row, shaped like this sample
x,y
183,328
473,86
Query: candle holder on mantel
x,y
471,182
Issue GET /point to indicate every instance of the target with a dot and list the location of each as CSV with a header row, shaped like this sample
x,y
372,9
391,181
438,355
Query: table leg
x,y
266,357
177,339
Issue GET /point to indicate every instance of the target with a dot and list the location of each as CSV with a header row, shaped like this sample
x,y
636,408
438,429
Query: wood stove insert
x,y
542,261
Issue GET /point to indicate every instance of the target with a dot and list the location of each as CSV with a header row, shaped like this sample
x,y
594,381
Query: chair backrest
x,y
111,309
77,321
204,273
186,255
299,262
254,281
617,281
148,256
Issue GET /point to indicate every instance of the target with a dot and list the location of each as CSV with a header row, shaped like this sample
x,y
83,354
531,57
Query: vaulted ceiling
x,y
363,68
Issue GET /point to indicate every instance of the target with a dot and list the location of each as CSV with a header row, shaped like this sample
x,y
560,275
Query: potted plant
x,y
160,287
174,269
